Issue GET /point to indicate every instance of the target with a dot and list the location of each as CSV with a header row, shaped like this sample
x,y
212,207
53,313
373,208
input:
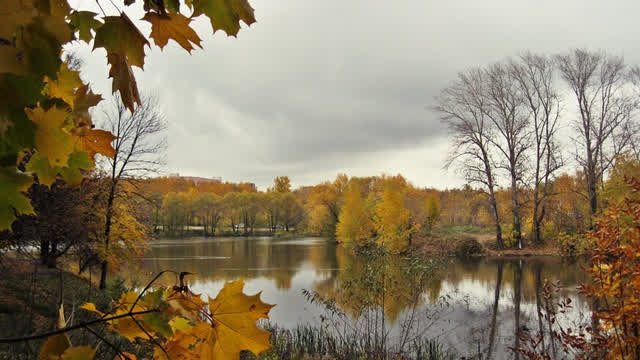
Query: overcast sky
x,y
315,88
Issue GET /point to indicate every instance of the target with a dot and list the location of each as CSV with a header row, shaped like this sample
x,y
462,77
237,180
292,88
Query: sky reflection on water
x,y
281,269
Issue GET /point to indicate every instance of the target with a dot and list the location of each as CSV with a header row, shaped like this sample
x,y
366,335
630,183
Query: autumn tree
x,y
391,219
506,110
209,209
534,75
605,107
354,223
281,184
463,107
139,147
232,210
432,213
291,212
325,203
173,207
272,207
64,221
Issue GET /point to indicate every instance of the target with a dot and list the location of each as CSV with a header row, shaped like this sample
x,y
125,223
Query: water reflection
x,y
489,298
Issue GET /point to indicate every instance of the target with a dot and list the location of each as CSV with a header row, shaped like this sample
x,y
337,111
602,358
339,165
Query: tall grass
x,y
317,342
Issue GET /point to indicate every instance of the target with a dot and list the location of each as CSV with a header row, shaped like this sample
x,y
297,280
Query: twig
x,y
151,337
147,287
115,348
74,327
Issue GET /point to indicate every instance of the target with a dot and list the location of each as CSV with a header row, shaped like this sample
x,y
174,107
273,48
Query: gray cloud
x,y
319,87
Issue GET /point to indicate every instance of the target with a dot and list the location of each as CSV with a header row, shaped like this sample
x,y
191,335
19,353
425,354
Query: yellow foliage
x,y
185,326
392,217
354,224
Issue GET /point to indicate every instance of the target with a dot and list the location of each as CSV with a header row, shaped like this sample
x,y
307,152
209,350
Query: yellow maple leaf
x,y
233,324
52,141
65,86
172,26
91,307
78,353
185,303
54,346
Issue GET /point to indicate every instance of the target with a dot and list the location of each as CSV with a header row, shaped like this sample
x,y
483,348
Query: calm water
x,y
281,269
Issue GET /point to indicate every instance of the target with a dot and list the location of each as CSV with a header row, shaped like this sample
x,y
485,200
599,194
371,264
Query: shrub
x,y
468,246
572,245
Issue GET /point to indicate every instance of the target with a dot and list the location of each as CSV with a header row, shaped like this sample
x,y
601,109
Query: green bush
x,y
572,245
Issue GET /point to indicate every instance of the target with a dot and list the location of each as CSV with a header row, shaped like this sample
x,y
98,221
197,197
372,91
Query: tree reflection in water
x,y
479,303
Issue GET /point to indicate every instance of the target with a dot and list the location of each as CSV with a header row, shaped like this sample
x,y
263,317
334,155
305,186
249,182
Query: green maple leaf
x,y
12,185
78,160
224,15
120,36
84,22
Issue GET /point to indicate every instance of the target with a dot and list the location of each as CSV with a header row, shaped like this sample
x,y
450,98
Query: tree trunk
x,y
492,199
494,316
538,272
53,256
496,219
107,233
516,303
44,251
515,208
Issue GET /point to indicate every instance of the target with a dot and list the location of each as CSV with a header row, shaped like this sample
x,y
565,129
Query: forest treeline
x,y
354,210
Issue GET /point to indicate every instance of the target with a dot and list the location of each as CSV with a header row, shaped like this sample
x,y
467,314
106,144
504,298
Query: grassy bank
x,y
30,296
469,240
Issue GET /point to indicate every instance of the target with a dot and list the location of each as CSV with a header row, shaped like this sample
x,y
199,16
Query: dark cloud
x,y
319,87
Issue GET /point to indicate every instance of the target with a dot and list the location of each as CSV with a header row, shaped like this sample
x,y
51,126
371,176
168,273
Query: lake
x,y
459,298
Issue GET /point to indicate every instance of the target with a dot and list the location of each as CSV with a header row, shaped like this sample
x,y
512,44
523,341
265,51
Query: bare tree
x,y
604,125
534,75
139,150
507,113
463,107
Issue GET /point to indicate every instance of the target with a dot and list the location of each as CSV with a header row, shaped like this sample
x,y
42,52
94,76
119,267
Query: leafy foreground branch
x,y
614,331
177,322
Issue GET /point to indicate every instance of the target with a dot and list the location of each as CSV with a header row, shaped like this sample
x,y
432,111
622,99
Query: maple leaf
x,y
225,15
78,353
51,140
84,100
123,80
71,173
78,160
233,324
91,307
54,347
185,303
84,22
172,26
94,141
64,87
120,36
40,165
